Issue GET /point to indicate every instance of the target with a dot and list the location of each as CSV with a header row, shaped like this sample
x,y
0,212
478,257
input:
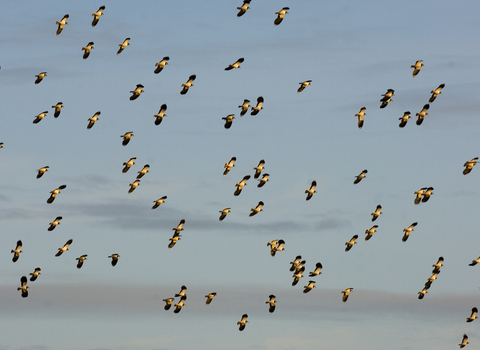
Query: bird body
x,y
42,171
182,293
258,107
39,117
179,227
134,185
188,84
123,46
235,65
361,176
16,252
142,172
421,115
64,248
244,106
179,305
408,230
317,271
469,165
263,180
224,213
62,24
87,50
416,67
360,116
386,99
257,209
92,120
135,93
58,108
228,120
438,265
54,223
258,169
40,77
210,297
473,316
54,193
168,303
280,16
309,286
428,193
436,92
96,15
114,258
346,293
376,213
422,293
404,119
311,190
161,114
350,243
370,232
128,164
23,287
35,274
240,185
271,302
160,65
243,8
81,259
419,194
295,262
228,166
158,202
243,322
464,341
303,85
473,263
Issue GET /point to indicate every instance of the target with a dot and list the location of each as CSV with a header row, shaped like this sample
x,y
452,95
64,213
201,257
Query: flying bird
x,y
92,120
422,293
311,190
235,65
179,305
436,92
209,297
135,93
81,260
42,171
158,202
433,277
272,245
64,248
346,293
224,213
243,8
40,77
361,176
54,223
295,262
168,303
350,243
419,194
376,213
309,287
428,193
16,252
87,50
303,85
473,316
421,115
179,227
257,209
134,185
297,275
23,287
244,106
469,165
263,180
404,119
240,185
317,271
386,99
39,117
279,247
360,116
35,274
370,232
54,193
258,107
62,23
272,302
142,172
123,46
258,169
228,166
128,164
58,108
188,84
96,15
438,265
175,238
114,259
228,120
280,16
182,293
243,322
416,67
160,65
473,263
462,344
407,231
161,114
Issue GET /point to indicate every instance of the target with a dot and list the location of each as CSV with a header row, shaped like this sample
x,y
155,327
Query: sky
x,y
353,53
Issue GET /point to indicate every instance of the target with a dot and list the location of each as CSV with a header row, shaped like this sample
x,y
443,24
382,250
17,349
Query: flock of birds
x,y
277,245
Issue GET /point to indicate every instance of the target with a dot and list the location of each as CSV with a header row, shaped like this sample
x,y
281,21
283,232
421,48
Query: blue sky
x,y
353,53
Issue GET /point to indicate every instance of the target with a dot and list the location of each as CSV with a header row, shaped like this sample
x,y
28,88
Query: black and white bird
x,y
168,303
258,107
87,50
419,194
438,265
244,106
408,230
387,98
473,263
257,209
40,77
279,247
309,286
228,166
297,275
295,262
114,258
188,84
62,24
128,164
235,65
469,165
81,259
263,180
223,213
243,322
210,297
271,302
135,93
160,65
317,271
421,115
35,274
42,171
303,85
404,119
473,316
436,92
258,169
370,232
243,8
422,293
228,120
179,227
54,223
346,293
64,248
240,185
16,252
123,46
462,344
96,15
350,243
134,185
39,117
141,173
428,193
23,287
360,176
376,213
158,202
416,67
92,120
161,114
360,116
280,16
58,108
182,293
54,193
175,238
311,190
179,305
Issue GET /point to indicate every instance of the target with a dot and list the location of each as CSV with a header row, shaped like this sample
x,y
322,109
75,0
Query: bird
x,y
209,297
92,120
385,103
62,23
376,213
142,172
433,277
370,232
42,171
228,120
54,193
279,247
295,262
179,227
436,92
161,114
257,209
280,16
179,305
188,84
160,65
58,108
39,117
303,85
272,302
244,106
54,223
35,274
182,293
64,248
243,322
235,65
422,293
404,119
24,288
128,164
243,8
361,176
297,275
40,77
462,344
360,116
134,185
1,144
473,316
419,194
123,46
428,193
224,213
272,245
300,266
87,50
114,258
350,243
158,202
317,271
408,230
81,260
346,293
168,303
258,107
175,238
416,67
240,185
386,99
135,93
311,190
228,166
469,165
473,263
309,286
96,15
263,180
16,252
258,169
438,265
421,115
